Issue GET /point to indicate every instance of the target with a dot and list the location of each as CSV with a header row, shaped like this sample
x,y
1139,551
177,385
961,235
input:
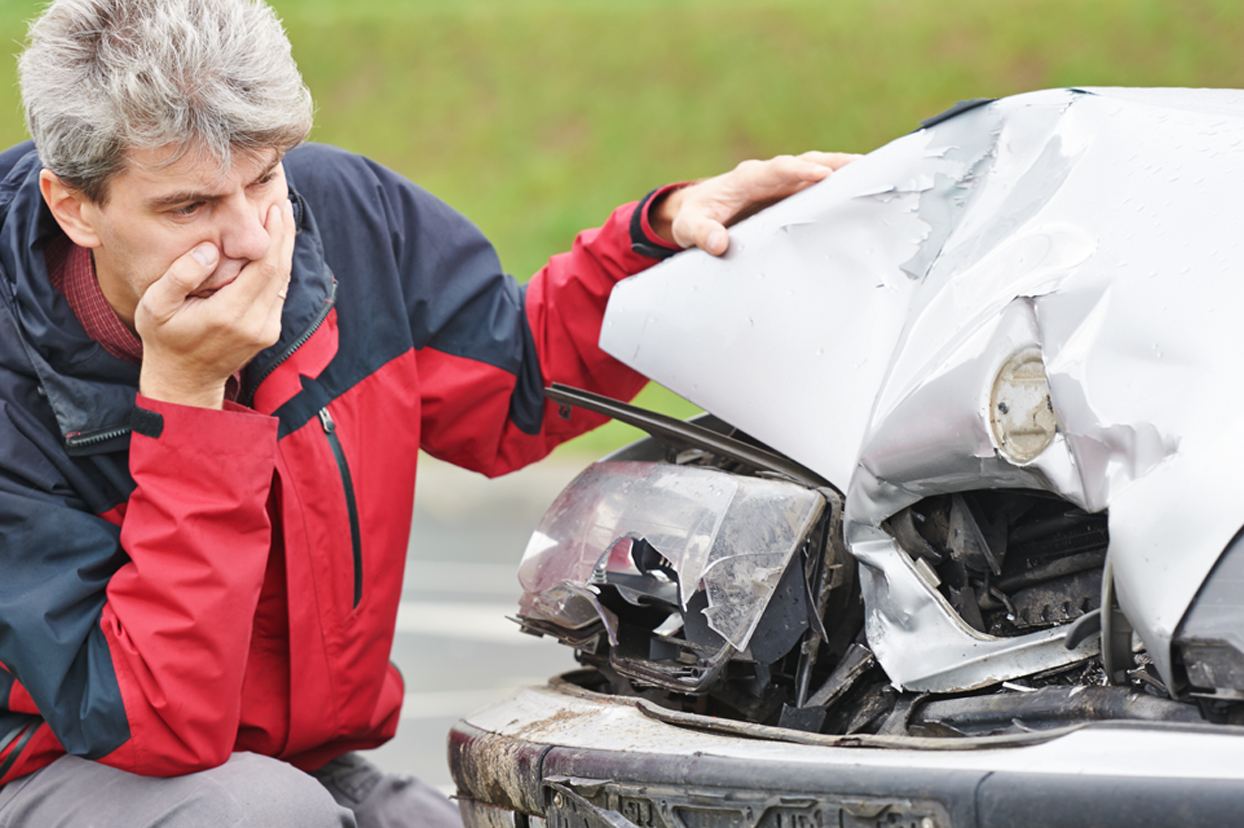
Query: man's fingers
x,y
697,225
701,212
206,254
167,294
785,171
763,181
833,160
704,233
286,255
259,280
283,218
280,227
266,279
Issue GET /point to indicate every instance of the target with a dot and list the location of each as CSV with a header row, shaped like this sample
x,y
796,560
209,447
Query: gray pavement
x,y
455,646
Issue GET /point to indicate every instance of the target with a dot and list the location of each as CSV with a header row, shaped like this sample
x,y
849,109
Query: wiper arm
x,y
679,435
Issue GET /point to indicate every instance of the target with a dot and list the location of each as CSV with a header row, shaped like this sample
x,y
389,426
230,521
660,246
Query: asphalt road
x,y
455,646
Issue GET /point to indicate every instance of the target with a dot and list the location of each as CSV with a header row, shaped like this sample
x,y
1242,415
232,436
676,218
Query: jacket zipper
x,y
247,397
330,429
78,441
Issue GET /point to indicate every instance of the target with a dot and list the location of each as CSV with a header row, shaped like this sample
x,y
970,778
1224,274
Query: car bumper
x,y
560,756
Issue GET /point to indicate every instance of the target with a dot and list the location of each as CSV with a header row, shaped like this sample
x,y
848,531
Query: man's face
x,y
154,216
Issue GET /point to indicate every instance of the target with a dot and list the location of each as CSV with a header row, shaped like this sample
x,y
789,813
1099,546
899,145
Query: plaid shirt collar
x,y
72,272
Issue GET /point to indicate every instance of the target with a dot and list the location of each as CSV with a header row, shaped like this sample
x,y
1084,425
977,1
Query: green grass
x,y
536,117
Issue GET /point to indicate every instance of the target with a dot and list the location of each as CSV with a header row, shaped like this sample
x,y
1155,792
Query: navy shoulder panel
x,y
451,279
394,245
13,154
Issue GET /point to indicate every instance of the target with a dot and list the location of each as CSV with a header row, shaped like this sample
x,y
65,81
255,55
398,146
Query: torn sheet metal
x,y
861,327
729,536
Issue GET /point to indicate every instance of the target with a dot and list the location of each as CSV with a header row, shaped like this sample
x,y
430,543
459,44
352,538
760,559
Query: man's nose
x,y
242,235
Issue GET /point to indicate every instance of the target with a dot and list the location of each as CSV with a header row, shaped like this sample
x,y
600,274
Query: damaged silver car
x,y
959,542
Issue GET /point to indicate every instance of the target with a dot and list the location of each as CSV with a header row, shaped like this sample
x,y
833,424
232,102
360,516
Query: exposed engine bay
x,y
781,640
993,483
960,540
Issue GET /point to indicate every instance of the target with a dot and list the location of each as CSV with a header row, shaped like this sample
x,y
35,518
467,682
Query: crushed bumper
x,y
557,756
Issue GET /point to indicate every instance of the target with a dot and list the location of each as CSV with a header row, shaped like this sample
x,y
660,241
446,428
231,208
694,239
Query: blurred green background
x,y
536,117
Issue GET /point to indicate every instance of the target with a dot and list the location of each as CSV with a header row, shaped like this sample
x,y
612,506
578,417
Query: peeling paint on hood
x,y
859,327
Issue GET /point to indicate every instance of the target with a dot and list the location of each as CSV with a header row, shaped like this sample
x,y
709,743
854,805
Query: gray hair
x,y
102,78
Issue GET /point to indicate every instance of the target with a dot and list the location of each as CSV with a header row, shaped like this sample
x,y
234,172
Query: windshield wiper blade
x,y
680,435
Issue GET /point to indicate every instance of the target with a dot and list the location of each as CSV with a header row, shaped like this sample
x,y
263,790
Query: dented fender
x,y
863,327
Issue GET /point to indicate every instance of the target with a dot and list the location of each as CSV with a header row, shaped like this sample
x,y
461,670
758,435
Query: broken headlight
x,y
1210,641
670,568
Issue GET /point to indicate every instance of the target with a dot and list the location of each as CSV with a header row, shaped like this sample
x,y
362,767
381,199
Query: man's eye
x,y
188,210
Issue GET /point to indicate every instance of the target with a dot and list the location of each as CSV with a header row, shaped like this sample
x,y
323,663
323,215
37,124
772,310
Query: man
x,y
220,352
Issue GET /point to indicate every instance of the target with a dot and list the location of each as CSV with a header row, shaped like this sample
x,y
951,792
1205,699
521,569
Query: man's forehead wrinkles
x,y
204,190
181,197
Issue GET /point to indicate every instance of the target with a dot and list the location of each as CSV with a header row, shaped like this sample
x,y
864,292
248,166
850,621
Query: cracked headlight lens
x,y
1210,640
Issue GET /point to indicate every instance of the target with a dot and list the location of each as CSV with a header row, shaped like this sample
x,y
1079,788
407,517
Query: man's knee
x,y
252,790
248,791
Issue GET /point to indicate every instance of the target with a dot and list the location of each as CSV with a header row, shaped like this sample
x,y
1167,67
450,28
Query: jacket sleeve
x,y
102,618
485,346
497,421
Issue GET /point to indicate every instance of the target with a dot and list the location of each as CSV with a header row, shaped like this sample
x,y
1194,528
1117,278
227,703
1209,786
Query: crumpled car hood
x,y
861,326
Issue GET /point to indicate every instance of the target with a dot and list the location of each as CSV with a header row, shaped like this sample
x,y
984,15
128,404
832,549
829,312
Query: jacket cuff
x,y
205,430
644,239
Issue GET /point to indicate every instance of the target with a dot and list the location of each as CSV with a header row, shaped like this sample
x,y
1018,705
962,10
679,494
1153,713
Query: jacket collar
x,y
91,392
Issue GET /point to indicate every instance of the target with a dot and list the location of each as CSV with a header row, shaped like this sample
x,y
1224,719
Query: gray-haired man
x,y
220,351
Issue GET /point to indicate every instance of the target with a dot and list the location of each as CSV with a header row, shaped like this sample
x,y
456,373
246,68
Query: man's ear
x,y
75,214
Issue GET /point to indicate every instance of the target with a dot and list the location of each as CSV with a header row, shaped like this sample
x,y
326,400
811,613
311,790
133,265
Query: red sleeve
x,y
178,615
466,402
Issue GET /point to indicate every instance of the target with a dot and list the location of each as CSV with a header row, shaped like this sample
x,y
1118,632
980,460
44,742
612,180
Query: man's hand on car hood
x,y
699,214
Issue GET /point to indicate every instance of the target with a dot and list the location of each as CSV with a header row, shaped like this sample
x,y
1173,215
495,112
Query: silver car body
x,y
1040,293
865,326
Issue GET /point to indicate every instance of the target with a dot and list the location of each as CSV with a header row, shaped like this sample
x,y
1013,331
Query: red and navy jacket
x,y
177,583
